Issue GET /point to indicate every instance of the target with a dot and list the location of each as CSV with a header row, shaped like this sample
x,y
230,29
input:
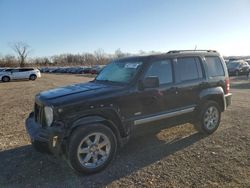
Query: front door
x,y
154,101
15,74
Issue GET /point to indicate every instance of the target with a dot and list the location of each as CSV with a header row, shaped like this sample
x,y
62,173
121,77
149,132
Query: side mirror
x,y
151,82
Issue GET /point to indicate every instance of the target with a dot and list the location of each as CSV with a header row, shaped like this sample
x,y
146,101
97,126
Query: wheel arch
x,y
32,74
110,122
5,76
213,94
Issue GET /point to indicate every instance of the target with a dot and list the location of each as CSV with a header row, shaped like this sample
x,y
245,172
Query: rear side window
x,y
24,70
8,70
189,68
215,67
163,70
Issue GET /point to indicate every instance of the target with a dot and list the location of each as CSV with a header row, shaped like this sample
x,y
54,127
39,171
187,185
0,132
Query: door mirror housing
x,y
151,82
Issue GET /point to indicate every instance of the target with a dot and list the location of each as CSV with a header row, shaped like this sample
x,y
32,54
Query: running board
x,y
163,116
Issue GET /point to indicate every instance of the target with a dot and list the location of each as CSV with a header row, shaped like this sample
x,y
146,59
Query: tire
x,y
237,73
5,79
32,77
85,160
208,118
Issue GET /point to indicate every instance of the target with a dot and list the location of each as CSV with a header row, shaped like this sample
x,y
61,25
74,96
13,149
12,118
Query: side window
x,y
24,70
15,70
215,67
189,68
163,70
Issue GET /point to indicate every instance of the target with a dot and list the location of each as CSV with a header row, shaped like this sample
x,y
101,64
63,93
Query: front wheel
x,y
91,148
32,77
209,118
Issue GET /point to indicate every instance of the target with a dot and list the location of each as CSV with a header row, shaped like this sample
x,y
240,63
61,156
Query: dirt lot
x,y
156,156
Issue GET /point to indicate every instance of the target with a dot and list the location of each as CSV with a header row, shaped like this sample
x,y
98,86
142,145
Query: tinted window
x,y
215,67
232,65
163,70
189,68
23,70
8,70
15,70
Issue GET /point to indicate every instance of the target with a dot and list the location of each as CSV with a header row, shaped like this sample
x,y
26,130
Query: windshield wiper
x,y
109,81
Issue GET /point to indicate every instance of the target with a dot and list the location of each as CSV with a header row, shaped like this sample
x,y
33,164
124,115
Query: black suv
x,y
87,122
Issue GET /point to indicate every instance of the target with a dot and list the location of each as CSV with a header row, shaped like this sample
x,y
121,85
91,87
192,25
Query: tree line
x,y
98,57
22,59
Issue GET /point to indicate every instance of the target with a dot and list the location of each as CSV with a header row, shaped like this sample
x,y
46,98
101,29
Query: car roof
x,y
171,54
26,68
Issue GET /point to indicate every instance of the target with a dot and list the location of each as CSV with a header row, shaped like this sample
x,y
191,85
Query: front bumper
x,y
46,140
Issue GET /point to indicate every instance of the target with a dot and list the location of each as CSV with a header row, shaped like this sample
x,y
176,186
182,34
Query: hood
x,y
78,93
71,90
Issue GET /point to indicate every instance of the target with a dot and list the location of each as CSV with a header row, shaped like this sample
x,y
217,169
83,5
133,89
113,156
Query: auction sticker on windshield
x,y
132,65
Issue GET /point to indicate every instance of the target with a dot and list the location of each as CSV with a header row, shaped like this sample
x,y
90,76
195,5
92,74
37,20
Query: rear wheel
x,y
5,79
33,77
91,148
209,118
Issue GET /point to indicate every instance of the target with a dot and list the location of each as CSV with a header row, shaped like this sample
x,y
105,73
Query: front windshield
x,y
119,71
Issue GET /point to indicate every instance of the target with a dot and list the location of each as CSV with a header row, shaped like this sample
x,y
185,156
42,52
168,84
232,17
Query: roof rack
x,y
180,51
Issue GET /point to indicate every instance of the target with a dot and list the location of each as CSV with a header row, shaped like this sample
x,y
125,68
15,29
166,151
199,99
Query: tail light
x,y
227,85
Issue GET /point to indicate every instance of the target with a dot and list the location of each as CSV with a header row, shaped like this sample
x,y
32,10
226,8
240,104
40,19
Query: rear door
x,y
24,73
190,80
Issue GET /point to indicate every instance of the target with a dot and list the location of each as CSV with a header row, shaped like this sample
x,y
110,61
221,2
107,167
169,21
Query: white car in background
x,y
19,73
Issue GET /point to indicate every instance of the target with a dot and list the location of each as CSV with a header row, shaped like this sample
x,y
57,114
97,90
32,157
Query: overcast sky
x,y
58,26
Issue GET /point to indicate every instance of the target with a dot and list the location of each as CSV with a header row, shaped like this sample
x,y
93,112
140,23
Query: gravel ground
x,y
158,155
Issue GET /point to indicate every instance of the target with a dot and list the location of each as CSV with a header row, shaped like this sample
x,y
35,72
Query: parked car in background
x,y
73,69
87,122
239,67
248,61
226,61
87,70
96,69
19,73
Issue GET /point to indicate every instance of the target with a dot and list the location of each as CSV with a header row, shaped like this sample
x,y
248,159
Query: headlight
x,y
48,115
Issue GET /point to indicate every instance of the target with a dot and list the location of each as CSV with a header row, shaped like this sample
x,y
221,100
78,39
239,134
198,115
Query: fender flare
x,y
94,119
217,94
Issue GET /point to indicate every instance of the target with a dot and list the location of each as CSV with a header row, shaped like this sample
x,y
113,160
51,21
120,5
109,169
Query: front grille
x,y
39,114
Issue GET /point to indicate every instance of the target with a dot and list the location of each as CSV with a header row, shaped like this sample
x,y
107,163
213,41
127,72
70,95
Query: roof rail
x,y
180,51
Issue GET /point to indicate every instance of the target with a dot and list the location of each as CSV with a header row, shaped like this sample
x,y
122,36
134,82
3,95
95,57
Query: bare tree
x,y
22,49
100,57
